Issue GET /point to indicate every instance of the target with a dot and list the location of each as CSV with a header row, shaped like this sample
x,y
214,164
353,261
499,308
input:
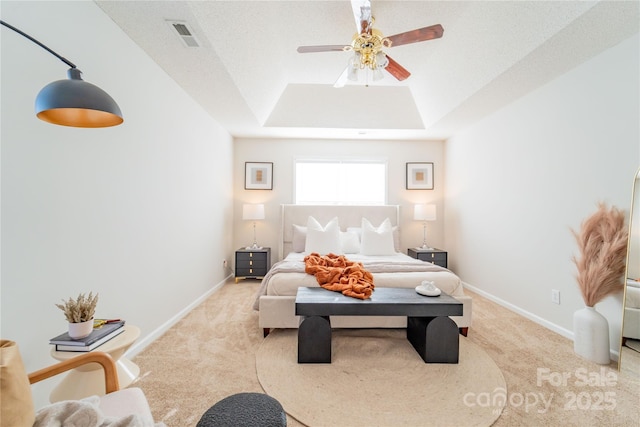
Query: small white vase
x,y
80,330
591,335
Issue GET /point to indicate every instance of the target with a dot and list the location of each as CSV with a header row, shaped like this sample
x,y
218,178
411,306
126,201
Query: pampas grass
x,y
602,242
81,309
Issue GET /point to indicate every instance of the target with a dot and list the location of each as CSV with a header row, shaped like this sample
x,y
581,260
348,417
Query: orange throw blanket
x,y
337,273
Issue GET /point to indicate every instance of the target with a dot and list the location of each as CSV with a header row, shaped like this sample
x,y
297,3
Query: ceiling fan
x,y
368,44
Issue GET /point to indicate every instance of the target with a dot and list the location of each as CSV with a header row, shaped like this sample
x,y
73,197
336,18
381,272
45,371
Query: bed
x,y
275,299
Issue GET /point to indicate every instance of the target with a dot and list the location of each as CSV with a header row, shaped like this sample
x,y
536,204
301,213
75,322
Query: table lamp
x,y
253,212
423,212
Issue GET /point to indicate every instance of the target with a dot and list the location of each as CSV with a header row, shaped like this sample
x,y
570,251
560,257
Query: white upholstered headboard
x,y
348,216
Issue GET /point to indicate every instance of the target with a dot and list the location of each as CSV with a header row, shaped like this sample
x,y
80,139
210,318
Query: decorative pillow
x,y
299,238
356,230
396,235
377,241
16,408
350,242
323,240
396,238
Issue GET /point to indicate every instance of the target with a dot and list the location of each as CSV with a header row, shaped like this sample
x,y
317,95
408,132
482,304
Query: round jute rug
x,y
376,378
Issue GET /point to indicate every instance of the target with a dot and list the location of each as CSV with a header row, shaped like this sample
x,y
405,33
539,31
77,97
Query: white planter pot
x,y
80,330
591,335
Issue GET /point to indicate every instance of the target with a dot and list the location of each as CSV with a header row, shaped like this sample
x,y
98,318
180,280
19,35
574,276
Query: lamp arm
x,y
61,58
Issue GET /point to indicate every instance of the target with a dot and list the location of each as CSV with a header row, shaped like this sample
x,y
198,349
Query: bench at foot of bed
x,y
463,331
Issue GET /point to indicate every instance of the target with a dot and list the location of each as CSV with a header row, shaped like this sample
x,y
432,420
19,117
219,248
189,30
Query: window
x,y
340,182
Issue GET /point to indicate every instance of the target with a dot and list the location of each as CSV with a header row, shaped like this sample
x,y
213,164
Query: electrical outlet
x,y
224,263
555,296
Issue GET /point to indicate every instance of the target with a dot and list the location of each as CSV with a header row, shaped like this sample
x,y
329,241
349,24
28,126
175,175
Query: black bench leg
x,y
314,340
434,338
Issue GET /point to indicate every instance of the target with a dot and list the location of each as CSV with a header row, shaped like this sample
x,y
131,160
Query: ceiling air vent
x,y
186,34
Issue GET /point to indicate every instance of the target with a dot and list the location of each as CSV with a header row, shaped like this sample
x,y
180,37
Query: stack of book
x,y
100,335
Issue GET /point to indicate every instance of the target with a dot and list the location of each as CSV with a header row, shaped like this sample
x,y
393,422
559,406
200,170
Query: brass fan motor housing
x,y
369,45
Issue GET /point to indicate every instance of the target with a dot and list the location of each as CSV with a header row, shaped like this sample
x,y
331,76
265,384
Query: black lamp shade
x,y
76,103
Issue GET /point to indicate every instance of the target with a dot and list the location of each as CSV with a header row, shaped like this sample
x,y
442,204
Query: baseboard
x,y
534,318
148,339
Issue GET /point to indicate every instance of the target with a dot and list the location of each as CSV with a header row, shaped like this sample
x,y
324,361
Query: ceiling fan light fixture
x,y
368,44
381,60
354,67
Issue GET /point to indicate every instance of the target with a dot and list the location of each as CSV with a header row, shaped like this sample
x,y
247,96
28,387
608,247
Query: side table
x,y
88,380
252,263
434,256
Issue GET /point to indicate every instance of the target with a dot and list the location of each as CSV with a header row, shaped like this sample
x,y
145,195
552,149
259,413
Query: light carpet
x,y
633,344
211,354
376,378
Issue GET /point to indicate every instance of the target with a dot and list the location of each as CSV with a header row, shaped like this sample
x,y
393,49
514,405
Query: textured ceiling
x,y
248,75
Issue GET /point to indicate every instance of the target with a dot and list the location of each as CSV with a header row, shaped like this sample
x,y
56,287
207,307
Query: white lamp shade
x,y
253,211
424,212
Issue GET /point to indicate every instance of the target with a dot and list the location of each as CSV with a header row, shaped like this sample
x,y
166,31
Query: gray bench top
x,y
383,302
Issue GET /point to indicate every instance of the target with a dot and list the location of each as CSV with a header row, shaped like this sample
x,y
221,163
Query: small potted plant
x,y
79,314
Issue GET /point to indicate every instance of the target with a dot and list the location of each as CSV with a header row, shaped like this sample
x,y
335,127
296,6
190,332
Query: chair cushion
x,y
16,402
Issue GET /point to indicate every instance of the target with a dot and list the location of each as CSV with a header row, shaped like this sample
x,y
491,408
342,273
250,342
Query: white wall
x,y
518,181
138,213
283,154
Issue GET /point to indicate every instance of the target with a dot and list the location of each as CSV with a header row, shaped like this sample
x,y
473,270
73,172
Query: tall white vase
x,y
591,335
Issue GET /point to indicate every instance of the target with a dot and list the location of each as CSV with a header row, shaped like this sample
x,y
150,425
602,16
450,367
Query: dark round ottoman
x,y
245,410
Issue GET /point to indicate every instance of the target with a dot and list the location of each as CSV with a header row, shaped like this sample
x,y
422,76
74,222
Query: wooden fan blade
x,y
362,15
397,70
419,35
322,48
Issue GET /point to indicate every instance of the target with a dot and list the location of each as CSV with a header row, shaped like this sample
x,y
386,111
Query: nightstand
x,y
435,256
252,263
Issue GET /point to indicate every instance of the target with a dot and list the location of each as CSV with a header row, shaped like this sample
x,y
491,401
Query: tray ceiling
x,y
247,74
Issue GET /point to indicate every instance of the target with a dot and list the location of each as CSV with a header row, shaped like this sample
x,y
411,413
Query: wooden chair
x,y
18,406
115,403
106,361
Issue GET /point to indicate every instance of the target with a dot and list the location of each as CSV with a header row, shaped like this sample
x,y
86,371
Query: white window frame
x,y
341,160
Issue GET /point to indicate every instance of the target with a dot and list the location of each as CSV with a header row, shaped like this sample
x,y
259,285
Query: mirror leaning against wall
x,y
629,361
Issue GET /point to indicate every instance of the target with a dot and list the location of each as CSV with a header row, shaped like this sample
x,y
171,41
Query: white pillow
x,y
394,229
357,230
396,238
350,242
323,240
377,241
299,238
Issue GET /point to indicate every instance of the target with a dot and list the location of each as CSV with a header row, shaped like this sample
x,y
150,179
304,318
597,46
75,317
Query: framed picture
x,y
419,176
258,176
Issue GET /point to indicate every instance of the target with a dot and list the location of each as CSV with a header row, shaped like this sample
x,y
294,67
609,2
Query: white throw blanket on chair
x,y
85,413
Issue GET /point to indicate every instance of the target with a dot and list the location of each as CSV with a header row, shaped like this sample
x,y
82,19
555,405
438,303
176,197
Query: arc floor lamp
x,y
73,102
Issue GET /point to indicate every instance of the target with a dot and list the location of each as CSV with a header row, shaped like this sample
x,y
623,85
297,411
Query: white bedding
x,y
389,271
